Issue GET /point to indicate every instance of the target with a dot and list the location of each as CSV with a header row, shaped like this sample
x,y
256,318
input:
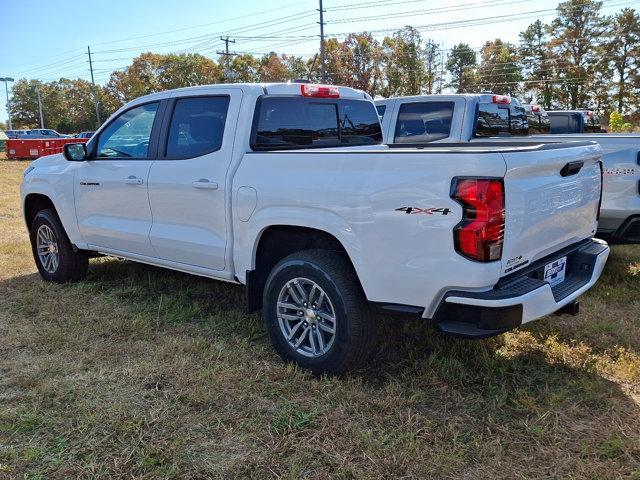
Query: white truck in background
x,y
455,118
288,190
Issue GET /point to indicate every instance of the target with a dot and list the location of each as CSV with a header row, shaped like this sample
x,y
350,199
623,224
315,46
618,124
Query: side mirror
x,y
75,152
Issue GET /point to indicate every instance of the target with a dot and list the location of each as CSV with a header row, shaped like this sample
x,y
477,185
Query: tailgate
x,y
552,195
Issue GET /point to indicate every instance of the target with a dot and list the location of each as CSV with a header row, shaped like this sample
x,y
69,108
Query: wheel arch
x,y
276,242
35,202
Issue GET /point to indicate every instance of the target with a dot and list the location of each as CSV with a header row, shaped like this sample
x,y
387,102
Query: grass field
x,y
140,372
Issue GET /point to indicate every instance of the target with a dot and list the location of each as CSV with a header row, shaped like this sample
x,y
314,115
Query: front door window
x,y
128,135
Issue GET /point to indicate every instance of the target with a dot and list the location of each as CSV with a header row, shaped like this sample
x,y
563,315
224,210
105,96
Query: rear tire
x,y
316,313
52,251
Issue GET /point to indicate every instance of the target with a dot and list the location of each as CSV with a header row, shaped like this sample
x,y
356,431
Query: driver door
x,y
112,203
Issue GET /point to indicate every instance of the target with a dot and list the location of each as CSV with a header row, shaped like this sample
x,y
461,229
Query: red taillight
x,y
504,99
535,108
319,91
480,234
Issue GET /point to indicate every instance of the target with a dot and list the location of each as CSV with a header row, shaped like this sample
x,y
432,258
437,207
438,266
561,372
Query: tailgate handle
x,y
571,168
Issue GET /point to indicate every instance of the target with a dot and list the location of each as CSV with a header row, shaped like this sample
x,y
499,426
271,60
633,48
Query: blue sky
x,y
47,40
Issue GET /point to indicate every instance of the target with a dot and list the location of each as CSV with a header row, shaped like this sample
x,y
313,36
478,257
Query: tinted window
x,y
591,124
538,123
197,126
359,124
381,109
298,122
423,122
564,123
494,119
128,135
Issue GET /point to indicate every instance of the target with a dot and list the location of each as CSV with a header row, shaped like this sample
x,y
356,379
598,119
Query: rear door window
x,y
496,119
197,126
287,122
422,122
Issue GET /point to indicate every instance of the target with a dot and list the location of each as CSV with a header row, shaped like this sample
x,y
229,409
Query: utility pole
x,y
227,54
93,83
323,70
6,90
40,107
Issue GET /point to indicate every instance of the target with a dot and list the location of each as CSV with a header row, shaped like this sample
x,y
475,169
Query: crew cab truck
x,y
478,117
288,190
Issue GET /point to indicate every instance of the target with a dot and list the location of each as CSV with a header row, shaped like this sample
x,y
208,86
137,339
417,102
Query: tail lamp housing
x,y
480,234
502,99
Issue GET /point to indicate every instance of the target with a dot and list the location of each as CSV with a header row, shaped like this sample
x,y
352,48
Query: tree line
x,y
581,59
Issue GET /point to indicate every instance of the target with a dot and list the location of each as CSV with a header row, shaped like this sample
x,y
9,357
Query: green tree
x,y
623,48
244,68
499,70
273,69
538,66
432,67
24,104
404,66
152,72
461,64
186,70
577,32
361,56
617,123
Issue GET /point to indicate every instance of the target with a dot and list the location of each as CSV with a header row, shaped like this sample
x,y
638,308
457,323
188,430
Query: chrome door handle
x,y
205,184
131,180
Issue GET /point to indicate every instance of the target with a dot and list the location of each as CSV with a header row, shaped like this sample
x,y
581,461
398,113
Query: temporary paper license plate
x,y
554,271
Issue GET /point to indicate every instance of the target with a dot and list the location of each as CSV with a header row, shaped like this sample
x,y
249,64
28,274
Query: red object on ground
x,y
18,148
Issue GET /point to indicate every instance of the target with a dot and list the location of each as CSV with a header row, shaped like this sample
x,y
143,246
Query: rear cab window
x,y
591,123
538,123
423,122
494,119
285,122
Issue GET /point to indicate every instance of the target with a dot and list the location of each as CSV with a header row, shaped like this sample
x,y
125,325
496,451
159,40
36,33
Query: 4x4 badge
x,y
427,211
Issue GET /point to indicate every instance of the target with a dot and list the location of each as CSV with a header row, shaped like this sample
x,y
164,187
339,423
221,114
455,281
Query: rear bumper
x,y
627,232
519,299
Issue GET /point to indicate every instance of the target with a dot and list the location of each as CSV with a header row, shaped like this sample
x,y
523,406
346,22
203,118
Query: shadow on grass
x,y
411,349
513,389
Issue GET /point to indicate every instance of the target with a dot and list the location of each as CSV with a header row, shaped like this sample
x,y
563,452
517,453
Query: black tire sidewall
x,y
285,271
65,252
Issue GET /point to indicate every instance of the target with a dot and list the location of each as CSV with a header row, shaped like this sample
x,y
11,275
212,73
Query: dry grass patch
x,y
140,372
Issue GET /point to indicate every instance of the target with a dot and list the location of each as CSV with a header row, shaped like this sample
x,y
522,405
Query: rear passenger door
x,y
188,190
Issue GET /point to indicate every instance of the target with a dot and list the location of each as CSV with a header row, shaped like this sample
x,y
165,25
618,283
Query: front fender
x,y
53,177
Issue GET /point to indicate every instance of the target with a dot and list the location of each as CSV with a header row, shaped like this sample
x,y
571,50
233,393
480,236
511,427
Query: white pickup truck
x,y
475,117
288,190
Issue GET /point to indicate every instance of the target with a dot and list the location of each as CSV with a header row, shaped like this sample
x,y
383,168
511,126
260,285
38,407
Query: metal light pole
x,y
6,89
40,107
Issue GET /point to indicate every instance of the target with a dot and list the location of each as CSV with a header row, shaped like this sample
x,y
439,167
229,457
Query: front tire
x,y
52,251
316,314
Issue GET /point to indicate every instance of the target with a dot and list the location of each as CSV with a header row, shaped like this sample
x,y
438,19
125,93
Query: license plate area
x,y
555,271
